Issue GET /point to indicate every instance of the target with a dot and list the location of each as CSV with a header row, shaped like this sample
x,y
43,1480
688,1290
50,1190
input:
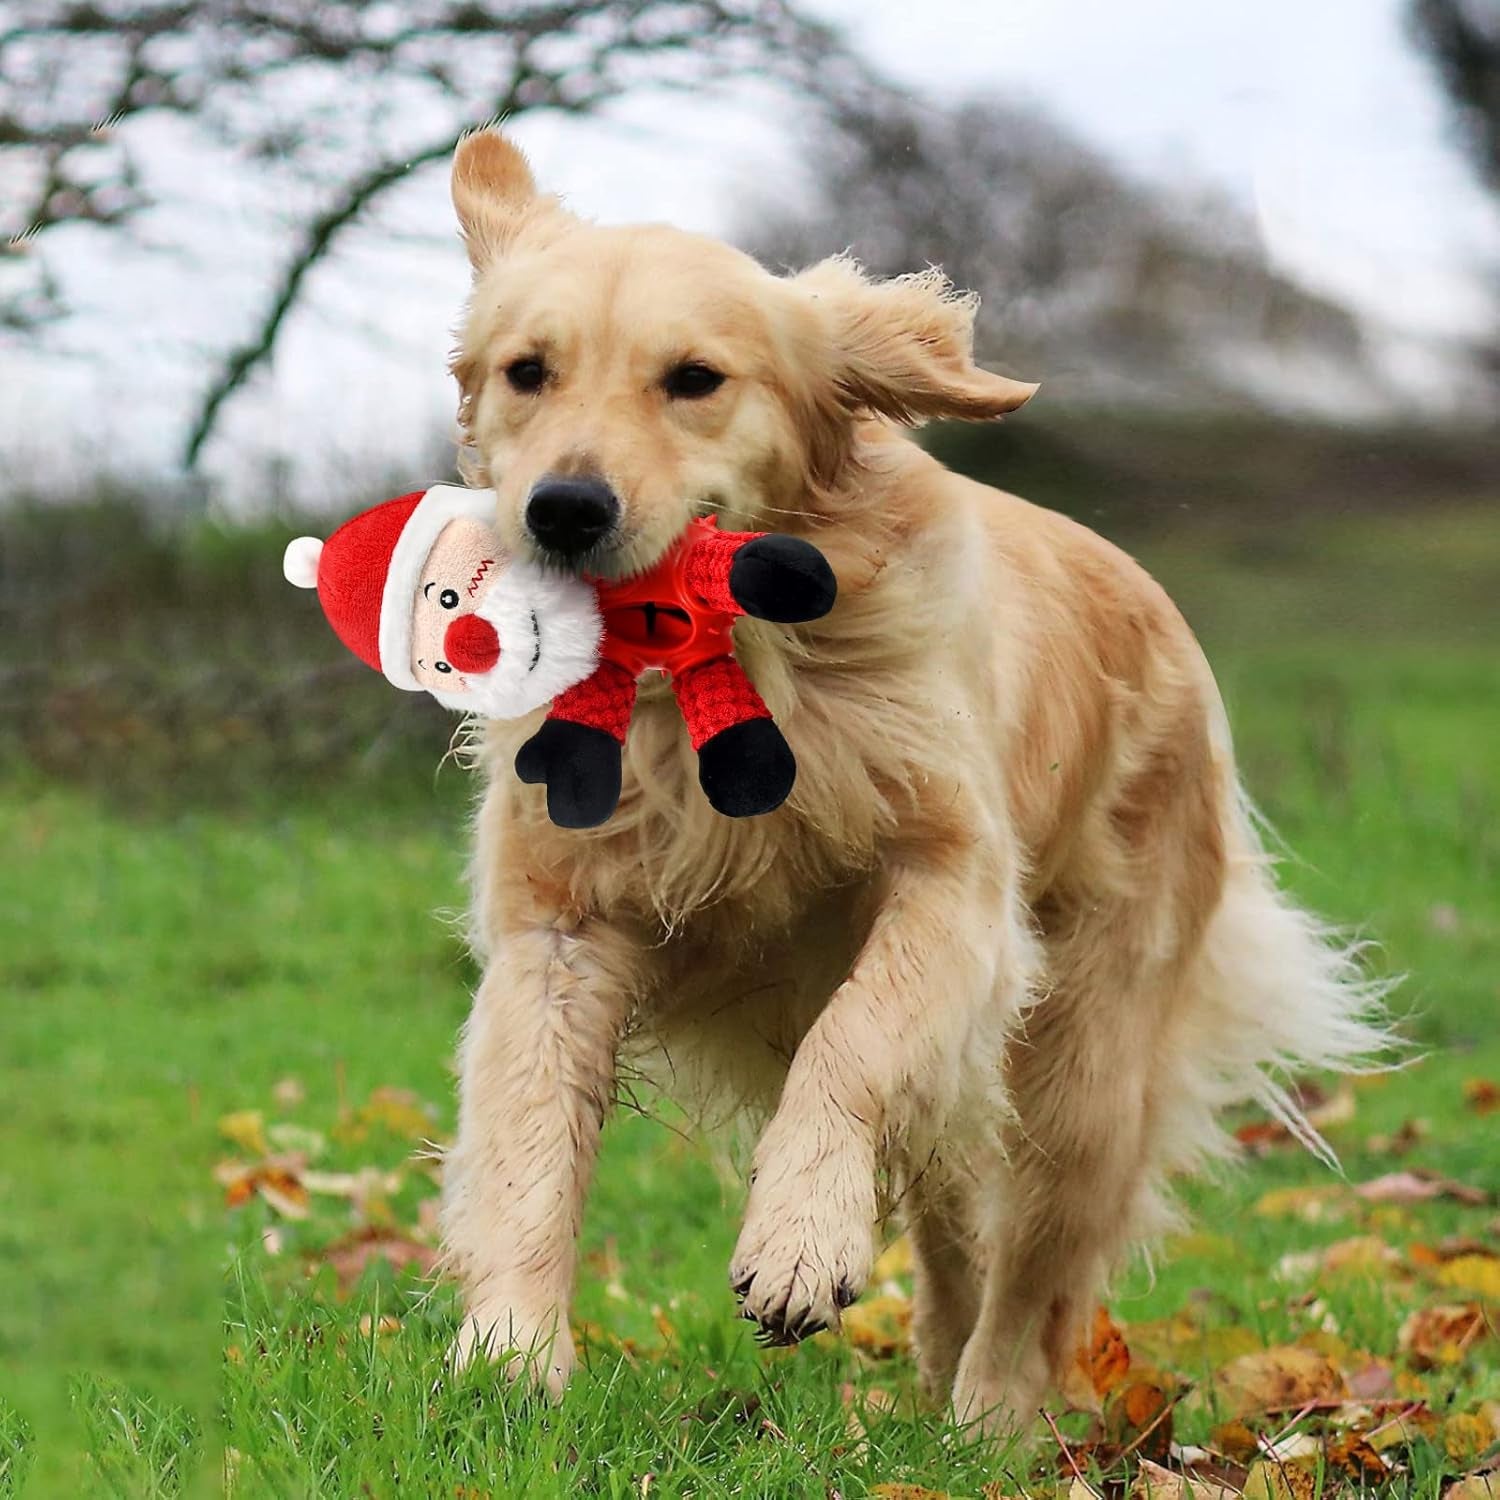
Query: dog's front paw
x,y
747,769
782,578
581,768
535,1348
806,1249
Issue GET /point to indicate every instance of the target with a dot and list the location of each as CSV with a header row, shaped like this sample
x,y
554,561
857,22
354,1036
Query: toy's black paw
x,y
747,769
581,769
782,578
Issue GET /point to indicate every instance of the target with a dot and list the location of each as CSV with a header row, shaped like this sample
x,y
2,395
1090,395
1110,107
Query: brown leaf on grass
x,y
397,1112
246,1128
879,1326
1406,1137
907,1492
1284,1378
350,1255
288,1092
1361,1255
1313,1205
1442,1335
1482,1095
1415,1185
893,1261
1154,1482
1472,1273
276,1180
1272,1480
1351,1453
1482,1486
1138,1414
1468,1435
1098,1365
1236,1440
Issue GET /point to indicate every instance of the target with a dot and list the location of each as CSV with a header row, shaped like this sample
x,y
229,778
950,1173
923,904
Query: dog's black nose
x,y
568,516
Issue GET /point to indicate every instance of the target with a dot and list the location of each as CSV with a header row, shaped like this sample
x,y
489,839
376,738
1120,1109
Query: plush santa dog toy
x,y
421,589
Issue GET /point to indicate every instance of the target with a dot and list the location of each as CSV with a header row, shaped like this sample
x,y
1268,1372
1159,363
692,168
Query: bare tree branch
x,y
325,90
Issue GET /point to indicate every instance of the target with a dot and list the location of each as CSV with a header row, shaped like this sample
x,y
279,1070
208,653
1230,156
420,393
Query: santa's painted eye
x,y
448,598
442,666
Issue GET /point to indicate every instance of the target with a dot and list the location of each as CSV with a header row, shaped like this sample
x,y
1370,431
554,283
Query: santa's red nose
x,y
471,644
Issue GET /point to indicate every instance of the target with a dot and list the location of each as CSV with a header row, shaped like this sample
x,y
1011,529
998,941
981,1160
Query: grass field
x,y
287,963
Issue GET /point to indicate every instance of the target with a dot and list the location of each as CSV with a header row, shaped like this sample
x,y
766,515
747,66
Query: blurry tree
x,y
1130,291
349,95
1462,37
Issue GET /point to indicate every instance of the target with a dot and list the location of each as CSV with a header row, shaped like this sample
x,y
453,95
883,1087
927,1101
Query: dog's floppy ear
x,y
494,195
905,347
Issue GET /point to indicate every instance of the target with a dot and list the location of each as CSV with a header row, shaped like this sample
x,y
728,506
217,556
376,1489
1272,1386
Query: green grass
x,y
160,971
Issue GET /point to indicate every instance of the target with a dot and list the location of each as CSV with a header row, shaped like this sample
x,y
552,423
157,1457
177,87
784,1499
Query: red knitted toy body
x,y
677,618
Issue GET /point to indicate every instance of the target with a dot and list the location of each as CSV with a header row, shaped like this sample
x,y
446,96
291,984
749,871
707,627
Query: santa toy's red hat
x,y
368,572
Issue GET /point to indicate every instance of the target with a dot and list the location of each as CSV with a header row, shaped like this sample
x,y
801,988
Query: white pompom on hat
x,y
368,572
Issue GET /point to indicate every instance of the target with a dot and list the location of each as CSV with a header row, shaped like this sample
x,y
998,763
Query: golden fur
x,y
1011,943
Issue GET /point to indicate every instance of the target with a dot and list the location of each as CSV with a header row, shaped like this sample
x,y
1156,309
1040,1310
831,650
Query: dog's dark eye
x,y
442,666
527,374
448,598
687,382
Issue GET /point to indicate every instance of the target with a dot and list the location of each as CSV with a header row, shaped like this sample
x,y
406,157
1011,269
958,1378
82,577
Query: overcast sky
x,y
1315,114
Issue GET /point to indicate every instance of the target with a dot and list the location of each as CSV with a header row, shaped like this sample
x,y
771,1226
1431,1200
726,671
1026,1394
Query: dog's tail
x,y
1274,992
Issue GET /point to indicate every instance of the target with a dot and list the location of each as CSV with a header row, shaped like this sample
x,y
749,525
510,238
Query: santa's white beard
x,y
549,629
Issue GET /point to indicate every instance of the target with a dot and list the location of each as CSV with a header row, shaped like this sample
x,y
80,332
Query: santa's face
x,y
493,635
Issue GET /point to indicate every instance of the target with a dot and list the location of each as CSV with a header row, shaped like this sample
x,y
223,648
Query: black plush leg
x,y
747,769
581,768
782,578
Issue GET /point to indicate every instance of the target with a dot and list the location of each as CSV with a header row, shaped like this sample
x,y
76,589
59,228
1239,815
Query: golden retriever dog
x,y
1011,944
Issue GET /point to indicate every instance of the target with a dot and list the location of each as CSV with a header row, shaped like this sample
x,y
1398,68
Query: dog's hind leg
x,y
938,1209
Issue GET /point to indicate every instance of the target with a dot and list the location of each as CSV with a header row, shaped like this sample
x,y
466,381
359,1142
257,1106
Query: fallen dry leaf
x,y
879,1326
893,1261
397,1112
1352,1454
1467,1436
1417,1186
907,1492
1442,1335
1472,1273
1098,1366
349,1256
1363,1254
288,1092
1269,1480
1284,1378
1153,1482
1482,1095
276,1180
1138,1414
1482,1486
1313,1205
386,1324
302,1139
247,1129
1407,1137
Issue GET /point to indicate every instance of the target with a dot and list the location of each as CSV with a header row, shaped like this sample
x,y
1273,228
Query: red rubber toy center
x,y
655,622
471,644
